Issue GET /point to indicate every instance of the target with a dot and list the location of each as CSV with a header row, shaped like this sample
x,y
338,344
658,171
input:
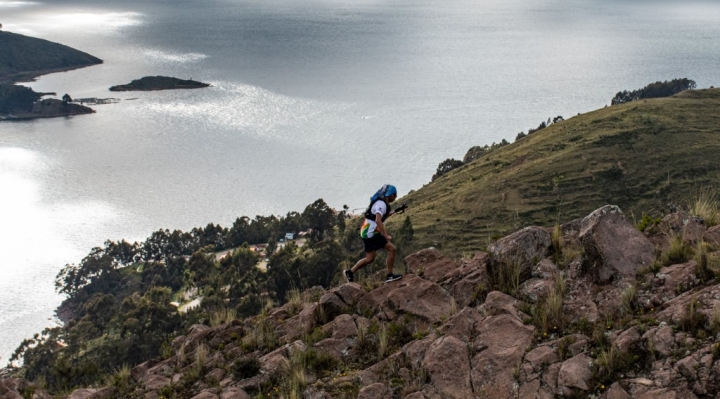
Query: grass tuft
x,y
677,252
294,301
222,316
706,206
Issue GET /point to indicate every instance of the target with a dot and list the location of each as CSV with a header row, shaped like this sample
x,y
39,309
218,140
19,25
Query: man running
x,y
374,235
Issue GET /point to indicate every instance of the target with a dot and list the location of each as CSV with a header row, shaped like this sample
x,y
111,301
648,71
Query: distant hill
x,y
25,57
642,156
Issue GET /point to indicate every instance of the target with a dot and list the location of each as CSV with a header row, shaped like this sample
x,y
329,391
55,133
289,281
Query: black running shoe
x,y
392,277
349,276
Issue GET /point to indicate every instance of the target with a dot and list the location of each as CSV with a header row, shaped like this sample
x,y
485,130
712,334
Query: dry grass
x,y
294,301
505,277
629,299
706,205
453,307
201,353
383,341
548,316
261,336
678,251
222,316
295,379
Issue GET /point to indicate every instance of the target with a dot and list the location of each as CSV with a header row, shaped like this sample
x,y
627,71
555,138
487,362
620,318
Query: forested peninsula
x,y
24,58
602,301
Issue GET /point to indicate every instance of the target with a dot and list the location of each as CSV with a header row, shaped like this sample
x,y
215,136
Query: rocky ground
x,y
593,308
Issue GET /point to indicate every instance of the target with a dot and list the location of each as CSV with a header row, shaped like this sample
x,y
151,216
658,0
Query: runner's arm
x,y
381,226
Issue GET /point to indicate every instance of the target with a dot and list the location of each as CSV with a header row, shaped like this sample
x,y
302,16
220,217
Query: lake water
x,y
309,99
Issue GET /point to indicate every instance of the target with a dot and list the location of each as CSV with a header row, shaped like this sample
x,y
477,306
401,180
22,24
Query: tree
x,y
654,90
320,218
446,166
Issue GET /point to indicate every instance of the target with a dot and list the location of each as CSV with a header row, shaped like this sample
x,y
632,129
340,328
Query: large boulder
x,y
430,263
451,382
413,296
524,248
684,225
341,299
613,246
505,339
576,373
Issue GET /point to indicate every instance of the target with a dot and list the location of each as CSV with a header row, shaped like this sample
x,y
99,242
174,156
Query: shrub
x,y
446,166
646,222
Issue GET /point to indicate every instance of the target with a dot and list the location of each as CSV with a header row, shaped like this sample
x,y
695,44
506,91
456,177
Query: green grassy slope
x,y
24,57
641,156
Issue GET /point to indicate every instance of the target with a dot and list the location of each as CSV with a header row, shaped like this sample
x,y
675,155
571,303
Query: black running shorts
x,y
374,243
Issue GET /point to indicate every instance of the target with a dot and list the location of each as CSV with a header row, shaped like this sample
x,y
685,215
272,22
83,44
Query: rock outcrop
x,y
621,329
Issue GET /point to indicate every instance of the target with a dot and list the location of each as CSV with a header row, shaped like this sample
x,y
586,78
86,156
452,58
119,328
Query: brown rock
x,y
672,280
412,295
415,351
338,348
344,327
712,235
156,382
535,289
82,393
468,282
340,299
234,393
102,393
576,372
628,339
430,264
526,247
616,392
205,395
215,375
540,357
580,301
463,324
450,382
415,395
137,372
688,367
663,341
533,390
506,339
684,225
613,246
379,371
498,303
375,391
667,393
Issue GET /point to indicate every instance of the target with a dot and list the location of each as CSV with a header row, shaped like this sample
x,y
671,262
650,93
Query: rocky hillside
x,y
25,57
641,155
597,307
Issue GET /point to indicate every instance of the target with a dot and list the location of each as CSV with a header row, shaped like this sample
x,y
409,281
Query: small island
x,y
149,83
20,102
